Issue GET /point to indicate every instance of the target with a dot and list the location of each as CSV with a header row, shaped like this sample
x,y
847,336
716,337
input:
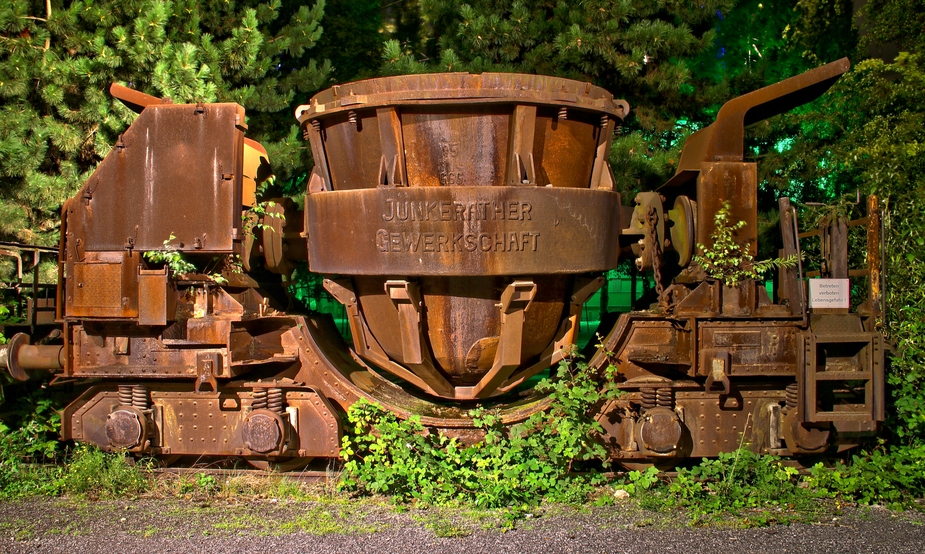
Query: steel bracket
x,y
515,300
407,298
716,365
208,364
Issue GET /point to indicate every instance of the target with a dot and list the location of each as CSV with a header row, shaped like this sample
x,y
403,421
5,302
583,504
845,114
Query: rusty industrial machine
x,y
463,221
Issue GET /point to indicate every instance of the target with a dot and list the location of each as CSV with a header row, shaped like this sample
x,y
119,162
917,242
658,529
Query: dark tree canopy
x,y
57,119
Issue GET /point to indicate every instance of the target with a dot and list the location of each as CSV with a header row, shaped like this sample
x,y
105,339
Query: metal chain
x,y
651,221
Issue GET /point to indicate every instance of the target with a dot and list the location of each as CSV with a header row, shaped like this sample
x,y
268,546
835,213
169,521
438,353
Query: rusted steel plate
x,y
172,155
465,87
737,184
755,348
328,367
462,231
104,285
723,140
452,145
461,130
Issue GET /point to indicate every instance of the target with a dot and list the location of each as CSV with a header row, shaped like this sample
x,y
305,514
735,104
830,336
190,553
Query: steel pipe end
x,y
9,356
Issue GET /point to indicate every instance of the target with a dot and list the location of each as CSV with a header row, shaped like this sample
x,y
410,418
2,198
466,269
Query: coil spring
x,y
665,397
125,395
275,400
259,399
605,119
563,113
791,396
316,125
352,117
649,398
140,397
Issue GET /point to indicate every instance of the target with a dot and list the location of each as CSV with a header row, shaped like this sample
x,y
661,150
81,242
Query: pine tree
x,y
641,51
57,119
351,38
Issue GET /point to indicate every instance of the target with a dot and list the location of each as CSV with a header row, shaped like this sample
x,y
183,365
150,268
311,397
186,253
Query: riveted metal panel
x,y
171,156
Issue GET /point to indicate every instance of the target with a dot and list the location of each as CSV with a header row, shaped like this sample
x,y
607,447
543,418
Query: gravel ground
x,y
50,525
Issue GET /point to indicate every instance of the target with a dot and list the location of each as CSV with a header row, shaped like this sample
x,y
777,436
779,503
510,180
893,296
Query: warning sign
x,y
829,293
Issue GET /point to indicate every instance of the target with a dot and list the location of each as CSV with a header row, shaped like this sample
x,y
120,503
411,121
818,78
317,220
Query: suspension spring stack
x,y
125,395
275,400
649,398
791,396
259,399
140,397
665,397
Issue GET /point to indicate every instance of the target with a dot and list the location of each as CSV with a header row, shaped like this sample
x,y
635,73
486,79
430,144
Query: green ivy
x,y
755,489
891,476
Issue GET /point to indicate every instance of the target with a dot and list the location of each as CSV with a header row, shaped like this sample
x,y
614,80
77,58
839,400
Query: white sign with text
x,y
829,293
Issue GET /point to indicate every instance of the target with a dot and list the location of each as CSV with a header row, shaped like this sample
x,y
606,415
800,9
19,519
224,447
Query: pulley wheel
x,y
683,220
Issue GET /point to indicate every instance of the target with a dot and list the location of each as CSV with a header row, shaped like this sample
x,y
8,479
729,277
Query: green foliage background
x,y
57,60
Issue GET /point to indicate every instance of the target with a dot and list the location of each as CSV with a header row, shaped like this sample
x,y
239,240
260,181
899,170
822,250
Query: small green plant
x,y
94,473
640,481
731,262
756,489
510,467
894,477
171,257
255,216
179,265
207,483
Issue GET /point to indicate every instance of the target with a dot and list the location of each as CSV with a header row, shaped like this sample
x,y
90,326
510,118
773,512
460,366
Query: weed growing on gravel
x,y
203,487
510,467
444,527
894,477
201,483
314,518
751,489
97,474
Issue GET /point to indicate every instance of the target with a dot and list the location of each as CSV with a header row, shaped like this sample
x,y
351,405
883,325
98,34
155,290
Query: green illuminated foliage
x,y
730,261
57,119
519,465
171,257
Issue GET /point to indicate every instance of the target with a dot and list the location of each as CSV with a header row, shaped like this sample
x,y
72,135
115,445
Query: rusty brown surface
x,y
189,155
409,169
723,140
426,179
460,231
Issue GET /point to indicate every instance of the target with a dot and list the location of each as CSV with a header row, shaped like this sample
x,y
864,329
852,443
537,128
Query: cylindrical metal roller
x,y
18,357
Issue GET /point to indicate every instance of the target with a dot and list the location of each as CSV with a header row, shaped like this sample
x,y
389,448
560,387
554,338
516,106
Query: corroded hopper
x,y
466,217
